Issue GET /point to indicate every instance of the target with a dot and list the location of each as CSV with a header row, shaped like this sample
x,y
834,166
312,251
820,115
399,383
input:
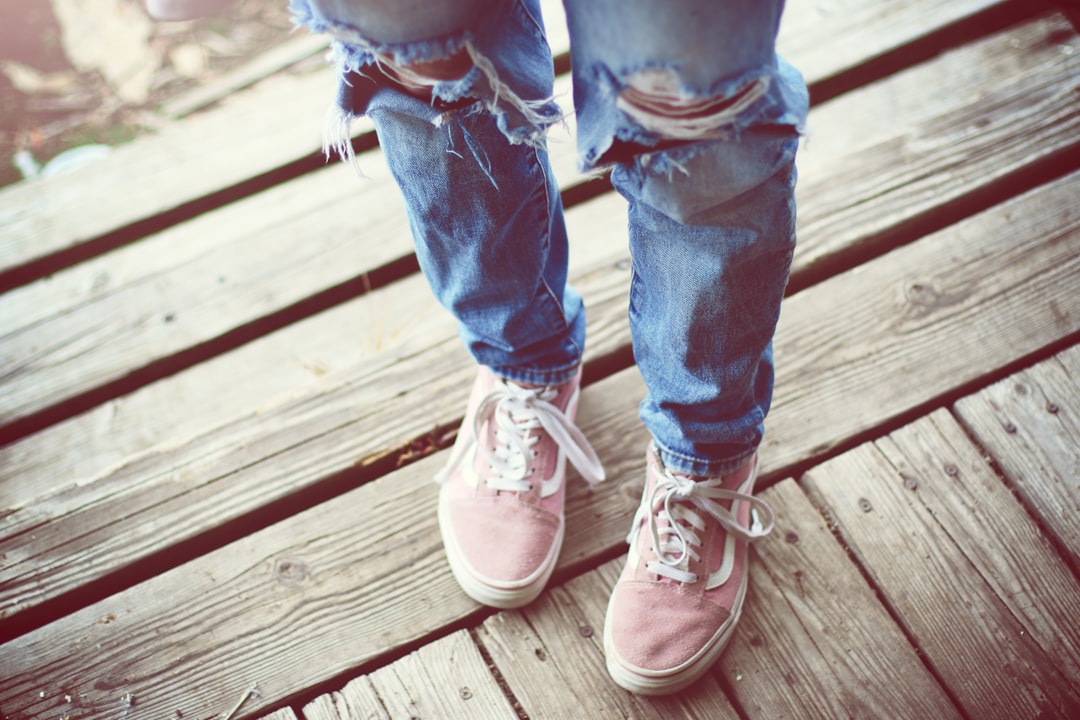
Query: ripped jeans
x,y
697,117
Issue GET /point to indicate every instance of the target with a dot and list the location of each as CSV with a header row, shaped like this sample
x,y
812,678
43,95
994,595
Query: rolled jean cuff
x,y
701,468
537,376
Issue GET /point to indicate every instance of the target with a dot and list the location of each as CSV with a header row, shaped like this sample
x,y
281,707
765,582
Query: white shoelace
x,y
517,412
678,498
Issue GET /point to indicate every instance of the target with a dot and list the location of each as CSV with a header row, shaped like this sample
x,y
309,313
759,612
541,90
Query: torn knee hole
x,y
655,100
420,77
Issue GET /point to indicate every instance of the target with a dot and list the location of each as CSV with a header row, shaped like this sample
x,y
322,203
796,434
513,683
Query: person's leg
x,y
460,95
700,121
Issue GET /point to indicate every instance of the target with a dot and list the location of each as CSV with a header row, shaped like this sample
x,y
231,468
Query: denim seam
x,y
567,328
552,375
558,303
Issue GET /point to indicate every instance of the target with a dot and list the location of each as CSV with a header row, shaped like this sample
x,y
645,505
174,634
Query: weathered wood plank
x,y
389,322
118,653
125,483
814,641
287,595
1030,424
935,134
557,643
982,593
352,340
322,589
447,678
333,572
259,68
847,646
183,162
873,29
282,714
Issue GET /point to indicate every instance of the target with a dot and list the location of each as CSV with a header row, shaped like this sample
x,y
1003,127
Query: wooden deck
x,y
223,390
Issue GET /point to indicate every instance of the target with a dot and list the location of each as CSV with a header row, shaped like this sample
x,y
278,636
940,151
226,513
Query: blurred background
x,y
78,77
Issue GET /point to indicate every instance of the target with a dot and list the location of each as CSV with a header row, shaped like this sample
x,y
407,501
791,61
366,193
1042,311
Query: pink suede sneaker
x,y
501,502
679,597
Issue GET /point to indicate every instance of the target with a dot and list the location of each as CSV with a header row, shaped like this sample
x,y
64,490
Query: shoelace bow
x,y
518,411
675,499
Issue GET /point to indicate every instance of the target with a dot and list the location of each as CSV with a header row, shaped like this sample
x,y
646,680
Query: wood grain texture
x,y
356,700
305,584
874,29
447,678
370,410
259,68
1031,425
981,592
933,134
345,344
280,608
185,326
814,641
325,591
183,162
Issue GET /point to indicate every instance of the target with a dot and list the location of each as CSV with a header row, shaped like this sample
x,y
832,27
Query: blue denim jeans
x,y
698,119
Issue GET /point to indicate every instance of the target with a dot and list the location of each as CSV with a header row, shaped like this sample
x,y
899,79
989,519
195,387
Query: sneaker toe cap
x,y
660,627
504,541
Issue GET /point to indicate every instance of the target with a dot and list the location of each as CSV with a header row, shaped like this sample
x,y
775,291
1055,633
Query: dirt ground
x,y
77,73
